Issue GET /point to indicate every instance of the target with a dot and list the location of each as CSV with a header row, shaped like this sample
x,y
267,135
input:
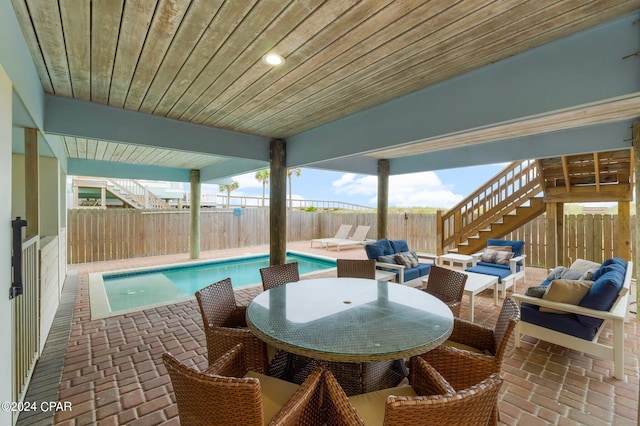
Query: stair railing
x,y
510,188
139,194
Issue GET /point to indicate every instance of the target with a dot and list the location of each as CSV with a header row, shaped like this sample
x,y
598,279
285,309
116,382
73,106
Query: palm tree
x,y
228,188
291,172
263,177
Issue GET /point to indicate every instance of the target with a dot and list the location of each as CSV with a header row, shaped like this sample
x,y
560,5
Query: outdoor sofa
x,y
395,256
573,312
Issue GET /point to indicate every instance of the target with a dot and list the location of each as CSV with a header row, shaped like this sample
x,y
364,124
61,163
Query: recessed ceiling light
x,y
273,59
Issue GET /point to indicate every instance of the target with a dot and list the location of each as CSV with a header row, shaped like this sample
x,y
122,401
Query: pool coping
x,y
100,308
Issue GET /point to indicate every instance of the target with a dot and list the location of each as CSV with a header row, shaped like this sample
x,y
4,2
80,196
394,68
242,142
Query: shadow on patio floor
x,y
113,372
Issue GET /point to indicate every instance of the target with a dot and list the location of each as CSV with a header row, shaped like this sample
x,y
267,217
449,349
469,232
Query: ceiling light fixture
x,y
273,59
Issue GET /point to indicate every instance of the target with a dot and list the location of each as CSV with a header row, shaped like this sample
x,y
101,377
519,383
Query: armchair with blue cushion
x,y
395,256
503,259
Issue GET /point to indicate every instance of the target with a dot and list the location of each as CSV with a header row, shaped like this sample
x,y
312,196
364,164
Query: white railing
x,y
139,193
26,320
510,188
223,201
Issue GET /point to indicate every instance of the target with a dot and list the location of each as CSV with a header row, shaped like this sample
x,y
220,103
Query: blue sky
x,y
443,188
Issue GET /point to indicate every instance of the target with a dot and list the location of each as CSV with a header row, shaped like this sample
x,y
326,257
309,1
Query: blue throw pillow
x,y
601,296
399,246
379,248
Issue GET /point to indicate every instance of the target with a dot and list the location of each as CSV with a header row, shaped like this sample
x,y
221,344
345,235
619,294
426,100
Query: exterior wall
x,y
6,311
49,195
18,203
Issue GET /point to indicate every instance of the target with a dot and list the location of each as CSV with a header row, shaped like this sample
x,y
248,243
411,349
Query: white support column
x,y
6,311
636,171
194,211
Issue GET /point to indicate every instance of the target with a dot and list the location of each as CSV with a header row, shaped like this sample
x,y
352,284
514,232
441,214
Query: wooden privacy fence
x,y
586,236
98,235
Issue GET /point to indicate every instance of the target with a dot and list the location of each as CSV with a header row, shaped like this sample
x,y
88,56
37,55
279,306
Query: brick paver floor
x,y
113,372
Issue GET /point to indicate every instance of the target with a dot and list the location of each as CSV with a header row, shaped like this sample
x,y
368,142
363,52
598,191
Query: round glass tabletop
x,y
350,319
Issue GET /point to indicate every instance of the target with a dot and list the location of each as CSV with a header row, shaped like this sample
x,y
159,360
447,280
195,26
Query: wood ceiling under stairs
x,y
596,177
512,198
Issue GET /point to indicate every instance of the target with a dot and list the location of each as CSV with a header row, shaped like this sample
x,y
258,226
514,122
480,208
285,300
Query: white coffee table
x,y
474,285
454,258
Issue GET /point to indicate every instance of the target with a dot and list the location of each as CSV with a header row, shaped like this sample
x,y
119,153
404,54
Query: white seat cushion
x,y
275,393
370,406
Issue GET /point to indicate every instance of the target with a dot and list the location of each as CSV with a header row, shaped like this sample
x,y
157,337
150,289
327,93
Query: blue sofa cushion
x,y
424,269
563,323
611,264
399,246
499,271
379,248
602,294
412,273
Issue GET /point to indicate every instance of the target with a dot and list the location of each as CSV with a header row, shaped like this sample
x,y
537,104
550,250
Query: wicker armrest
x,y
231,364
305,406
426,380
221,339
338,409
472,334
460,368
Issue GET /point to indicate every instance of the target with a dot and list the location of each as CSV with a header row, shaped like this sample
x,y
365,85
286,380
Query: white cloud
x,y
345,179
248,180
351,184
422,189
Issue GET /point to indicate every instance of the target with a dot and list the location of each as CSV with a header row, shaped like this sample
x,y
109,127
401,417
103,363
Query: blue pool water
x,y
150,287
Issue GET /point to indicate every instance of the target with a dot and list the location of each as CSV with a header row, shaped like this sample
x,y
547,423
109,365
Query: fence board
x,y
98,235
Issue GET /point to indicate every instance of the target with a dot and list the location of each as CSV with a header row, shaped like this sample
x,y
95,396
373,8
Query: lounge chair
x,y
342,234
359,238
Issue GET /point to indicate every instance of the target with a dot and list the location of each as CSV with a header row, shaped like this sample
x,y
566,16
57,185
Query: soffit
x,y
200,61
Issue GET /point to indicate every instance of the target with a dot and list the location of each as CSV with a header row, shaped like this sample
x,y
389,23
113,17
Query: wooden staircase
x,y
521,191
504,203
129,191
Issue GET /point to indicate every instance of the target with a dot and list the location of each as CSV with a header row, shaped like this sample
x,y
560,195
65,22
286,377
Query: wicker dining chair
x,y
229,394
357,268
225,325
448,286
474,351
276,275
429,400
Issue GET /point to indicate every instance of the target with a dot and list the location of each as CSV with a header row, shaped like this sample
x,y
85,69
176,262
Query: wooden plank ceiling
x,y
200,61
603,176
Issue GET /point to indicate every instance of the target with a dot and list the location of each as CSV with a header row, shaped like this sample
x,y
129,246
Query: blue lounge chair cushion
x,y
563,323
494,269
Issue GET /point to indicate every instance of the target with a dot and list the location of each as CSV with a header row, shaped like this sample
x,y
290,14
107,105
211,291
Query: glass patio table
x,y
350,320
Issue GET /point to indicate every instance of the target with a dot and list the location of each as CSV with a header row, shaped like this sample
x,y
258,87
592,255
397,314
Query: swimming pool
x,y
114,293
